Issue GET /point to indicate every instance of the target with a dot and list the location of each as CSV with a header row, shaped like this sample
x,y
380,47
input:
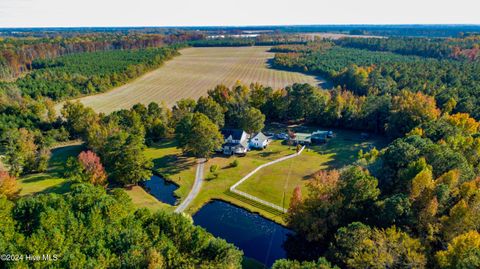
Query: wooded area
x,y
413,204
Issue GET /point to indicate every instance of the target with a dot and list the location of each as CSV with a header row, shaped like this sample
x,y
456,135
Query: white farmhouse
x,y
259,141
236,142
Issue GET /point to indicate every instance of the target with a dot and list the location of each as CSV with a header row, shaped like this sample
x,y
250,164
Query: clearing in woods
x,y
195,72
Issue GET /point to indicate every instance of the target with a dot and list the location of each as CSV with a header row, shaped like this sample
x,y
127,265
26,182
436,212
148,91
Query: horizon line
x,y
240,26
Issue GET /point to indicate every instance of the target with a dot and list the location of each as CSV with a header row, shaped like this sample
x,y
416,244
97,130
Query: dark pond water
x,y
259,238
161,189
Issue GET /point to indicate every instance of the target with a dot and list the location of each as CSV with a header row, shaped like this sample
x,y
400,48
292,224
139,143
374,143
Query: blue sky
x,y
70,13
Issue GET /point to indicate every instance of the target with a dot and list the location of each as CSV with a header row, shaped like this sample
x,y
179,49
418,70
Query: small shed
x,y
319,136
302,138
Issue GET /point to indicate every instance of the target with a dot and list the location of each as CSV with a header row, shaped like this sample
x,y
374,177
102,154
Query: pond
x,y
161,189
259,238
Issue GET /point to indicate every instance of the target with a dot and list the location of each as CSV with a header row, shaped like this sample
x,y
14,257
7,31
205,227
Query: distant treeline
x,y
262,40
390,30
17,54
454,84
382,30
452,48
88,73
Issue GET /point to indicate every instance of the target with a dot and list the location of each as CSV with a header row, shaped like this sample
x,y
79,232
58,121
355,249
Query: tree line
x,y
467,48
18,54
74,75
413,204
454,84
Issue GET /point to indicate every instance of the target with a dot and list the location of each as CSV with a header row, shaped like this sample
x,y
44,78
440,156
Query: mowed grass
x,y
141,198
195,72
218,187
170,162
51,180
276,183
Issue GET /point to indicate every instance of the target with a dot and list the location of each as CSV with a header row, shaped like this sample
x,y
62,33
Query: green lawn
x,y
42,183
218,188
60,155
275,183
51,180
169,162
141,198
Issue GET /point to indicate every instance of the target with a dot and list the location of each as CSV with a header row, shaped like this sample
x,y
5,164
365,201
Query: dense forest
x,y
73,75
412,204
453,83
90,228
18,54
455,48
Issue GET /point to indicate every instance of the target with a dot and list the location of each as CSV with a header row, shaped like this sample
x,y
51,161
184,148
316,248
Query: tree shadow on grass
x,y
308,177
172,164
59,189
36,178
265,154
344,151
60,155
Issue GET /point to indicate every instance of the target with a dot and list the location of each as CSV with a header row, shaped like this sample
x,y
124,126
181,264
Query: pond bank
x,y
258,237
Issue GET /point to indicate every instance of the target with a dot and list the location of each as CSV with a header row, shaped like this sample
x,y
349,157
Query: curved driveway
x,y
196,187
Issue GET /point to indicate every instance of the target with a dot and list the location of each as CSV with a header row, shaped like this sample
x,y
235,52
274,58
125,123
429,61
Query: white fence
x,y
256,199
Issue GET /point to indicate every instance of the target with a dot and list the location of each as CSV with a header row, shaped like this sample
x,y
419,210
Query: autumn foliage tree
x,y
409,110
296,198
334,199
20,151
8,185
86,168
92,167
462,252
359,246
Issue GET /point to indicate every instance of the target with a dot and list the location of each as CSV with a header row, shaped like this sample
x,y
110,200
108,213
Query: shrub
x,y
235,163
213,168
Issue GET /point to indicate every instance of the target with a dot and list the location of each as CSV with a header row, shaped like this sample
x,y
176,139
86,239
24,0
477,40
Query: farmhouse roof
x,y
235,133
260,136
243,144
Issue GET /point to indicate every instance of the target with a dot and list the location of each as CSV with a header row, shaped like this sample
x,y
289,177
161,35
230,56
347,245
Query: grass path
x,y
279,207
275,183
195,72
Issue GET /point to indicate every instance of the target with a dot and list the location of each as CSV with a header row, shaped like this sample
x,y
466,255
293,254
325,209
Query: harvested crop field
x,y
195,72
